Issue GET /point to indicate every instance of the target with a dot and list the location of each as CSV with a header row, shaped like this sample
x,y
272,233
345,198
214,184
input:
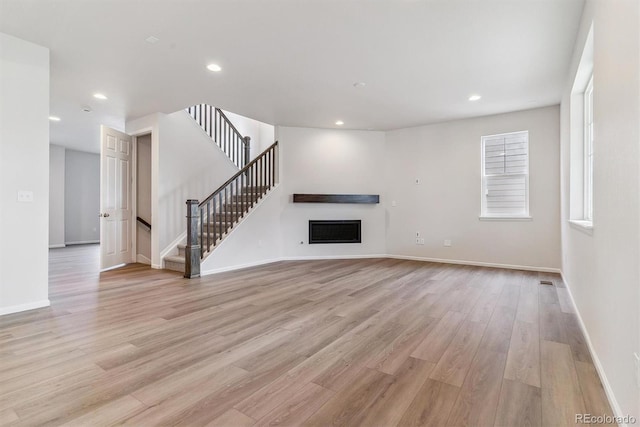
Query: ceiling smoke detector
x,y
86,108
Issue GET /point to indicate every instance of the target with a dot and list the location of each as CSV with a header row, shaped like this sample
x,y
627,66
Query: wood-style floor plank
x,y
455,362
561,393
431,406
523,360
296,410
520,404
380,342
595,399
477,401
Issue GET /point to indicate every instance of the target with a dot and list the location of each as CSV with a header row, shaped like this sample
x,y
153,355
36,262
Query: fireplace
x,y
335,231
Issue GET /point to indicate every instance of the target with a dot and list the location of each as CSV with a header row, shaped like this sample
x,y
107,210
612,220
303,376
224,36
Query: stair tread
x,y
174,258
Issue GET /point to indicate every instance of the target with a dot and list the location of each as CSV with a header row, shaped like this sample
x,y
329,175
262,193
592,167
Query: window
x,y
581,140
505,175
588,151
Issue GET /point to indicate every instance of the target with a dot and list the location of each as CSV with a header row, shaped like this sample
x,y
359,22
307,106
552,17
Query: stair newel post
x,y
192,251
247,150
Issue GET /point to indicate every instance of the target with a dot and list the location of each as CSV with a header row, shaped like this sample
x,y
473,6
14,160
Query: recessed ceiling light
x,y
152,40
214,67
339,122
359,84
474,97
99,96
54,118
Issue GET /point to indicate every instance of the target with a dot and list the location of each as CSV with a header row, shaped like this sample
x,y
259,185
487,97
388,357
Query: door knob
x,y
104,215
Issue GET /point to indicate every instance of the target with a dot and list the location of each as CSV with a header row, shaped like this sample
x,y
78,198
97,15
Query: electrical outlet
x,y
636,360
417,181
417,234
417,240
447,243
421,241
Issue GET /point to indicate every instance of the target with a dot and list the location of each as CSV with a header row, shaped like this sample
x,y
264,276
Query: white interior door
x,y
115,198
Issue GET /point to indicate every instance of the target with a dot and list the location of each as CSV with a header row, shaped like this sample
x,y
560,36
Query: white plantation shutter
x,y
505,174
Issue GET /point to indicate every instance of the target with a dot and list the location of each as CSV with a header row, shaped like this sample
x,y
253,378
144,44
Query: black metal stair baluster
x,y
208,227
212,224
201,234
220,215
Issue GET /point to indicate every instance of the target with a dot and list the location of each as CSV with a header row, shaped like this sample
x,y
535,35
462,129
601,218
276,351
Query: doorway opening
x,y
143,199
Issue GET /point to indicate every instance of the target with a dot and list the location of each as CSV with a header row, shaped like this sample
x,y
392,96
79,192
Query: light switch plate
x,y
25,196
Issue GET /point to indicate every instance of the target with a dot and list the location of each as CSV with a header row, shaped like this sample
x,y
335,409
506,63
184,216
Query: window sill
x,y
506,218
582,225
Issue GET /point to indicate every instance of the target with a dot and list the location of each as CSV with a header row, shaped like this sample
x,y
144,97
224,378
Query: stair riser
x,y
175,266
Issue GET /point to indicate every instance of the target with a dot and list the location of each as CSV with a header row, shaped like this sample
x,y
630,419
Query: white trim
x,y
240,266
617,410
59,245
582,225
373,256
173,245
505,218
24,307
156,266
479,263
143,259
324,257
295,258
82,242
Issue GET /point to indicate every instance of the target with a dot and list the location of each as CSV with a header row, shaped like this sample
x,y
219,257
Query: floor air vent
x,y
341,231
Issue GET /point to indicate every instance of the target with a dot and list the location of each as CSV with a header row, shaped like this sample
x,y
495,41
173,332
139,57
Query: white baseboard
x,y
24,307
371,256
56,246
478,263
240,266
156,266
615,406
82,242
322,257
143,259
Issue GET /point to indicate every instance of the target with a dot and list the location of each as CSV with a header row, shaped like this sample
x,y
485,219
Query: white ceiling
x,y
294,62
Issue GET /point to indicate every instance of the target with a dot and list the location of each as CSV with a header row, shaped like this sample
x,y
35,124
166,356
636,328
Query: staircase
x,y
211,221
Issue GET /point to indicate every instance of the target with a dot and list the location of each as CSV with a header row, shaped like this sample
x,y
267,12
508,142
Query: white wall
x,y
24,165
330,162
186,164
256,240
56,196
143,196
82,197
602,269
262,134
445,158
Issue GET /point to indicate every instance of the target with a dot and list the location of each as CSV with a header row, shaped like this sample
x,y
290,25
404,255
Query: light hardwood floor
x,y
355,342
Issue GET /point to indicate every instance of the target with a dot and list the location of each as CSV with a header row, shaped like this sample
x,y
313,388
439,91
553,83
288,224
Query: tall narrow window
x,y
505,175
588,151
